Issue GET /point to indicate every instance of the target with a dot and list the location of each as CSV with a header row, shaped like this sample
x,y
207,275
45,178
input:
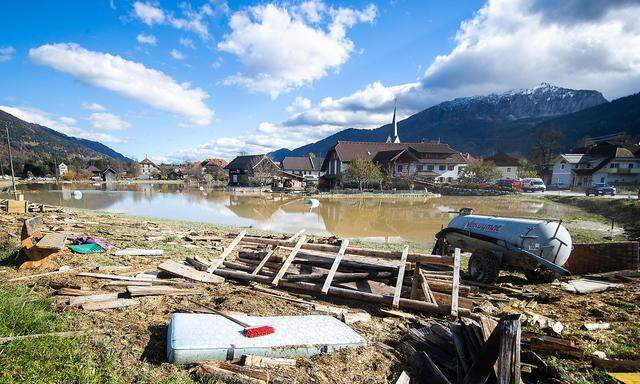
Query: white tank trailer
x,y
537,247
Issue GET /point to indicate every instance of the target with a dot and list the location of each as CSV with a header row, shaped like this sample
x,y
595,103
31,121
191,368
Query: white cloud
x,y
176,54
148,13
192,20
127,78
61,124
92,106
284,48
108,121
298,104
146,39
6,53
185,42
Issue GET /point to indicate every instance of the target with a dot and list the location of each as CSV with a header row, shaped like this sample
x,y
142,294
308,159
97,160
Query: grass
x,y
58,360
574,375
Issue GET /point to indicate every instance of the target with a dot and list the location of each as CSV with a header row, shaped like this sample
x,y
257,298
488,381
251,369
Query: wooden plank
x,y
187,272
456,283
139,252
267,362
63,269
426,289
118,303
80,300
401,267
289,260
404,378
415,282
296,235
16,206
263,261
509,355
135,291
334,266
112,277
52,241
227,251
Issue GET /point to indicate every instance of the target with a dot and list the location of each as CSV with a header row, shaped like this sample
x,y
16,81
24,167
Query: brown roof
x,y
93,168
349,150
214,161
246,162
147,161
301,163
501,159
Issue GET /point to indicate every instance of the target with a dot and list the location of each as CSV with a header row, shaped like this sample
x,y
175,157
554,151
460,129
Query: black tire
x,y
587,193
540,276
484,267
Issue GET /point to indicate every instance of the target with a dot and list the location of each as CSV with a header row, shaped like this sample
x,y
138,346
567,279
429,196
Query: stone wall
x,y
448,190
603,257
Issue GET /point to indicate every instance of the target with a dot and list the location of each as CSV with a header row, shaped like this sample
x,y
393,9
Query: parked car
x,y
513,183
600,189
557,186
533,185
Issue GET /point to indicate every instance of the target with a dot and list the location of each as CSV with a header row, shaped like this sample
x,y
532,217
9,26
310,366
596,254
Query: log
x,y
412,257
344,293
227,251
323,261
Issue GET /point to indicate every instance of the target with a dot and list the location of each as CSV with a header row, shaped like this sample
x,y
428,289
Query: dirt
x,y
136,335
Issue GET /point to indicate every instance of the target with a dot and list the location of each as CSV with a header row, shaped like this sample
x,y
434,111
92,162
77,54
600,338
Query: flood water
x,y
379,219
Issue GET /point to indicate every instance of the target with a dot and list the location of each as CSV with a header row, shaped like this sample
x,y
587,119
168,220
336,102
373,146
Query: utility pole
x,y
13,176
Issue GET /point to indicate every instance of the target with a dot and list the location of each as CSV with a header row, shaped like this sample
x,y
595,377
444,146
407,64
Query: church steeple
x,y
394,126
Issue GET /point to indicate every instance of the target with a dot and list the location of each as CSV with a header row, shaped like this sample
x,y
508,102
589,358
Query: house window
x,y
420,167
630,165
449,179
442,167
614,165
508,169
450,167
561,166
430,167
602,179
400,168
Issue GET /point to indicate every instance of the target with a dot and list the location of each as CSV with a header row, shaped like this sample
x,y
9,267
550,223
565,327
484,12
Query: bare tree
x,y
546,143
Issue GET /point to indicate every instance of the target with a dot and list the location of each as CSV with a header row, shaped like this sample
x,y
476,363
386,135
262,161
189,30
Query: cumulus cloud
x,y
63,124
192,20
146,39
177,55
283,48
108,121
92,106
127,78
148,13
299,103
6,53
185,42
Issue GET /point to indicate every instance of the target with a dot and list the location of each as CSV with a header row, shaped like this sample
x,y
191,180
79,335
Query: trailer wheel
x,y
540,276
484,267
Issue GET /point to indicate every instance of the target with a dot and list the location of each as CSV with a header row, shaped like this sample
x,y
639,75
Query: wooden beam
x,y
289,260
263,262
415,282
178,269
456,283
227,251
334,266
295,236
401,267
509,356
428,294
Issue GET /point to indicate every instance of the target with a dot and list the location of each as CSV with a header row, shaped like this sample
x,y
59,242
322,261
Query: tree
x,y
311,154
546,143
480,171
526,170
363,172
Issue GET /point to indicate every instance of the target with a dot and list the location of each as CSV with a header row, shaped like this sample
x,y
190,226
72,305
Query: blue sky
x,y
187,80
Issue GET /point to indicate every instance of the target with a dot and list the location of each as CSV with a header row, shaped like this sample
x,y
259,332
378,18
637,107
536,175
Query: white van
x,y
533,185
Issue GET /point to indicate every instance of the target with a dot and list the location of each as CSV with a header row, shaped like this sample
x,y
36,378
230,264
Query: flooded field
x,y
379,219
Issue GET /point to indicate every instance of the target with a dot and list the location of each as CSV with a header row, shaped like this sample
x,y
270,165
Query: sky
x,y
187,80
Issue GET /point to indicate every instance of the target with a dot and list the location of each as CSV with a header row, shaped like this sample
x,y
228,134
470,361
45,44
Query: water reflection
x,y
377,219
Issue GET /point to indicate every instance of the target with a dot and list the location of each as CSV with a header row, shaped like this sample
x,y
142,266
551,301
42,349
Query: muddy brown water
x,y
377,219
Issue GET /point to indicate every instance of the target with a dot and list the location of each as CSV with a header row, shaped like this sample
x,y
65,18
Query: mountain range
x,y
482,125
38,145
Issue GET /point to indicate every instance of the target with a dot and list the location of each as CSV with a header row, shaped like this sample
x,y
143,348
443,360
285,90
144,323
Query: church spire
x,y
394,126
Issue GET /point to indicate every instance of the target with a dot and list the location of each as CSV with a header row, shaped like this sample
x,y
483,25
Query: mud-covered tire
x,y
484,267
540,276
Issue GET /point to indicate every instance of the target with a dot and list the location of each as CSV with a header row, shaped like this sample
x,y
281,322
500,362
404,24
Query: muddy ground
x,y
136,335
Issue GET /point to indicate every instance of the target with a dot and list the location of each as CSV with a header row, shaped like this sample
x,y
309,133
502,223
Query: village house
x,y
426,161
177,173
604,162
302,166
95,171
252,171
148,169
507,165
62,169
109,174
214,167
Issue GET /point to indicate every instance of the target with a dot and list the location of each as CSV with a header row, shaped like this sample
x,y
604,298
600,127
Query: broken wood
x,y
139,252
455,283
109,304
211,372
227,251
136,291
187,272
63,269
355,317
616,365
289,260
426,289
334,266
80,300
555,346
263,262
296,235
401,267
267,362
